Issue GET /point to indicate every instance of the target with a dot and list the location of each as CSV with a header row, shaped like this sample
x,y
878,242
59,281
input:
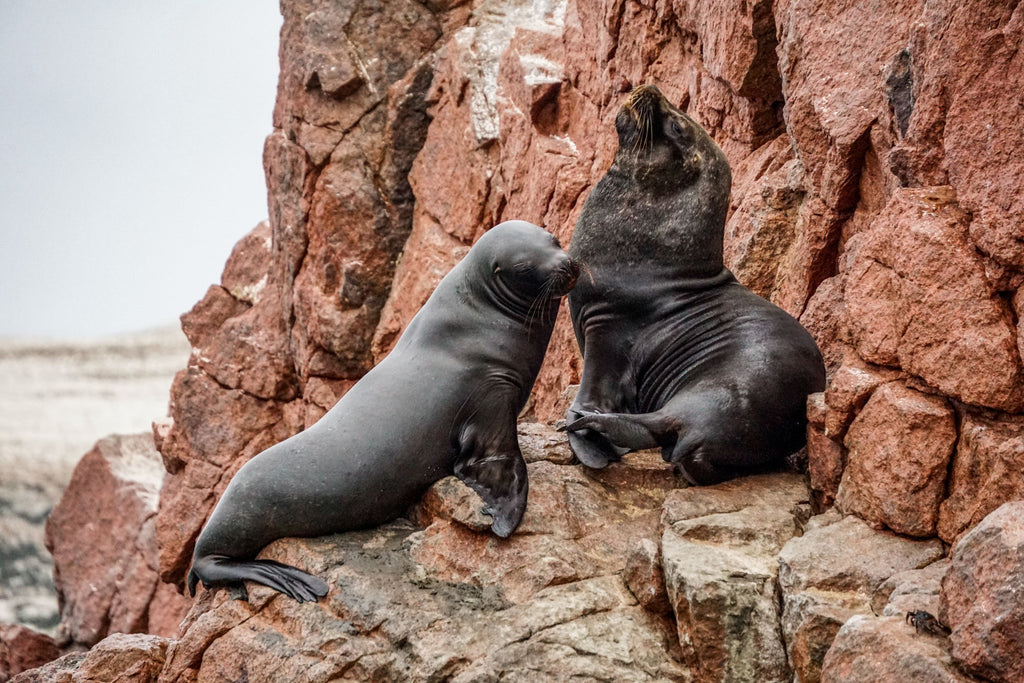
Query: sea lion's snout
x,y
644,97
645,105
564,276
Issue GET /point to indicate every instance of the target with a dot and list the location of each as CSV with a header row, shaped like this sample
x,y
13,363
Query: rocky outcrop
x,y
927,274
870,649
832,573
876,195
448,600
127,658
102,537
859,203
622,574
982,598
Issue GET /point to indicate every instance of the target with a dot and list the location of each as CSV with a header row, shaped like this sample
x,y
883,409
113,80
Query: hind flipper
x,y
217,570
591,448
623,431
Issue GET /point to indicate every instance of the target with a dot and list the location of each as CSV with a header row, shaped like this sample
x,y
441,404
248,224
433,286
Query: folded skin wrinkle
x,y
444,401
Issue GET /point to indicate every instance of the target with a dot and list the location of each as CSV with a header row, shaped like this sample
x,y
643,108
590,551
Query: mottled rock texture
x,y
103,540
869,649
453,602
878,195
982,598
831,573
121,657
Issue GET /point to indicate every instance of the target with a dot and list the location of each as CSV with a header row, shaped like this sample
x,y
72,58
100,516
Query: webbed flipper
x,y
217,570
500,479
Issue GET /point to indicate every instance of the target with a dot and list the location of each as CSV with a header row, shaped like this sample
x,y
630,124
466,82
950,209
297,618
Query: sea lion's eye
x,y
497,269
676,128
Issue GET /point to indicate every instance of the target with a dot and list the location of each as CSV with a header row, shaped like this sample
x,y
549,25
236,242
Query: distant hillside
x,y
57,397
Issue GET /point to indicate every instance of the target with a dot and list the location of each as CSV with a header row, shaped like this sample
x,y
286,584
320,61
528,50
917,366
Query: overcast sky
x,y
131,138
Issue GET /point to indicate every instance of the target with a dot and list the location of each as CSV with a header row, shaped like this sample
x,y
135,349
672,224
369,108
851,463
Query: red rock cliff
x,y
878,166
878,174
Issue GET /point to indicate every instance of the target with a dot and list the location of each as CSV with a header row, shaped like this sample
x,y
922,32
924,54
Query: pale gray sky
x,y
131,138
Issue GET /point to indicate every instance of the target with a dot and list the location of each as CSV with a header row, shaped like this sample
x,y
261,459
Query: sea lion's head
x,y
663,202
525,263
661,147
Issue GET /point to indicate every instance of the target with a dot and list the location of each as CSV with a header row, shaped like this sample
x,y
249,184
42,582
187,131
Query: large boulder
x,y
719,549
829,574
449,600
898,452
982,597
102,535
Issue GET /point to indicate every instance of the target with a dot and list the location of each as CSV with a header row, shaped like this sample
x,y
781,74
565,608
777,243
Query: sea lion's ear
x,y
500,479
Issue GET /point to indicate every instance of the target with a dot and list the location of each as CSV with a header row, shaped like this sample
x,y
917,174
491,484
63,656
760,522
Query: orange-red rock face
x,y
878,168
877,195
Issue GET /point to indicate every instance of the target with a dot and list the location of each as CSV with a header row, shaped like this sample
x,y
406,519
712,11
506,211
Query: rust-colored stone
x,y
103,539
982,598
22,649
898,452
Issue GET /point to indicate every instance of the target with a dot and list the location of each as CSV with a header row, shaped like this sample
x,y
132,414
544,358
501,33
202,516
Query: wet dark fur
x,y
444,401
677,354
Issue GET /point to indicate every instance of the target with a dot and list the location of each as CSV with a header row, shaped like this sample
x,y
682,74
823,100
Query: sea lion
x,y
444,401
676,353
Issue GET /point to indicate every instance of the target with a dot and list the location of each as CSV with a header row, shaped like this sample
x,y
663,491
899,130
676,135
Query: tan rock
x,y
645,578
719,553
775,491
982,597
576,526
385,619
539,442
910,591
898,453
872,649
132,658
829,574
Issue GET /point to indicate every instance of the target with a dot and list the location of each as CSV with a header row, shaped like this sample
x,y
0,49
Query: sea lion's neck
x,y
623,224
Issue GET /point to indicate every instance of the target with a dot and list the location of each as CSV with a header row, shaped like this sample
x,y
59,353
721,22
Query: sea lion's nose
x,y
573,270
566,274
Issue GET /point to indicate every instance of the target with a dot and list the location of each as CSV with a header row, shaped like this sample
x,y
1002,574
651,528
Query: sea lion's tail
x,y
217,570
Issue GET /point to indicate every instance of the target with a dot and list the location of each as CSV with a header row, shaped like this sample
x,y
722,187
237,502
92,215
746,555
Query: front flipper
x,y
592,448
607,386
499,476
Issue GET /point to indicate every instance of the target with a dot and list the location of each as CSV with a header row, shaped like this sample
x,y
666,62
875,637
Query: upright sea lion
x,y
444,400
676,353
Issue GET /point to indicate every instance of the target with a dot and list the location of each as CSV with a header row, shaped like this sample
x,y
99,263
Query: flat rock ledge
x,y
624,574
